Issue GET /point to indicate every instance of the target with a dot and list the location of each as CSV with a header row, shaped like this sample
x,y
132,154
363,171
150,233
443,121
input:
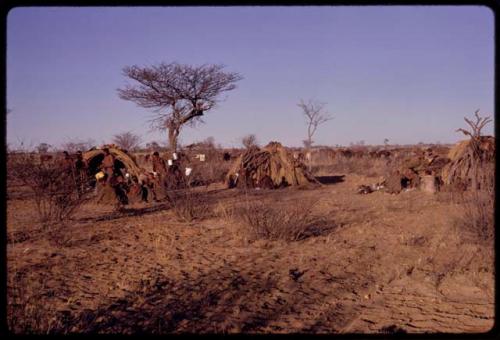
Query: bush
x,y
287,222
478,216
364,165
212,170
56,193
189,205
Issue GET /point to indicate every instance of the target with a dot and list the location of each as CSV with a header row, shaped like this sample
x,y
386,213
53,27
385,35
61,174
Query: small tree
x,y
127,140
315,116
249,141
475,133
179,94
75,145
209,142
153,146
43,147
476,126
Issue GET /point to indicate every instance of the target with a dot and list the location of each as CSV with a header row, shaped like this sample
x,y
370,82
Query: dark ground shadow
x,y
196,305
127,212
330,179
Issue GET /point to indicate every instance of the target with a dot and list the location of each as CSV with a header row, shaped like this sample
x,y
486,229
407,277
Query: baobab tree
x,y
178,94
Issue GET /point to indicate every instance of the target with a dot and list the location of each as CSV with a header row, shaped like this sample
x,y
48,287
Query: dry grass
x,y
27,313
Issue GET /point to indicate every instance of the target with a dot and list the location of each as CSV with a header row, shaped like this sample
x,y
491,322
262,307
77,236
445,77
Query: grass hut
x,y
472,164
122,161
107,194
271,167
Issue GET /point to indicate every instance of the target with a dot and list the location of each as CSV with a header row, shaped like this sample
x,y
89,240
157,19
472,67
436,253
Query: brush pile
x,y
472,161
268,168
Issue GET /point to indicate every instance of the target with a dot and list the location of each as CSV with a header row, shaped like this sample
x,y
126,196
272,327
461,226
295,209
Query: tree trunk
x,y
173,134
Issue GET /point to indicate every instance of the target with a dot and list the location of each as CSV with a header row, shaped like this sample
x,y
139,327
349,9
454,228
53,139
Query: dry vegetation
x,y
290,221
217,260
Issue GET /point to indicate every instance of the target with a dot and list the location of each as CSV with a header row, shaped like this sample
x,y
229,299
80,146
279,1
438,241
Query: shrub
x,y
287,222
212,170
189,205
364,165
56,194
477,218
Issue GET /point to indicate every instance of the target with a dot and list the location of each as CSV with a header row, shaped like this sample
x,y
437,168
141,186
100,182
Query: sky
x,y
406,73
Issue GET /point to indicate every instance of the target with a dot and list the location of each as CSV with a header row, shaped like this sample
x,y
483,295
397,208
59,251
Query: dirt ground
x,y
390,263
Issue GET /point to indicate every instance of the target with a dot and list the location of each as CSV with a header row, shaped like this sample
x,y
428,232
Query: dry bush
x,y
213,170
292,221
56,193
189,205
365,165
477,219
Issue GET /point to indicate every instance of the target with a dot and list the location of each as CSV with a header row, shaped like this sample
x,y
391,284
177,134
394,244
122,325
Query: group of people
x,y
146,186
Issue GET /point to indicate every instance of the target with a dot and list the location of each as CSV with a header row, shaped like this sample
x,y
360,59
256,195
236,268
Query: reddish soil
x,y
390,263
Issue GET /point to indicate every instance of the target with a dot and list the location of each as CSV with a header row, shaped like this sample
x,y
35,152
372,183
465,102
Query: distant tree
x,y
153,146
315,115
307,143
358,143
249,140
127,140
179,94
75,145
209,142
386,141
43,147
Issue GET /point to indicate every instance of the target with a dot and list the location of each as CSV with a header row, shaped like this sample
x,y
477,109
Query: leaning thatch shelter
x,y
122,160
270,167
472,163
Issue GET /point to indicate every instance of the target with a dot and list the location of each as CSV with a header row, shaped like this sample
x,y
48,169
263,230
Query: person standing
x,y
68,171
159,171
81,171
108,164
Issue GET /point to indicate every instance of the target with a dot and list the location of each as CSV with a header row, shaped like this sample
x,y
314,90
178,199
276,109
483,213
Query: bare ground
x,y
389,263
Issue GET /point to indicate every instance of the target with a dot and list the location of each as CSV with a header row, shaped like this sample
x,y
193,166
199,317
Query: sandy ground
x,y
390,263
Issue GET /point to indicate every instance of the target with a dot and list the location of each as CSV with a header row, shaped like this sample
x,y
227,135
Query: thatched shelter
x,y
122,160
271,167
472,163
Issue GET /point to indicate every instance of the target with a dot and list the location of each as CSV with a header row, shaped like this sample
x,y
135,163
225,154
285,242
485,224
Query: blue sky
x,y
409,74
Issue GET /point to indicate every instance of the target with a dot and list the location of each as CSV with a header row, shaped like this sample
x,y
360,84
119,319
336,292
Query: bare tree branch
x,y
315,116
178,94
